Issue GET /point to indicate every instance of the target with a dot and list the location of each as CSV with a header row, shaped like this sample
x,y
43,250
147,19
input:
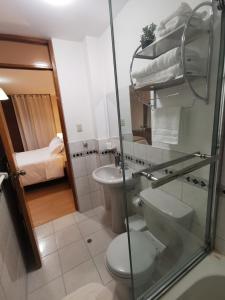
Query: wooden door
x,y
16,181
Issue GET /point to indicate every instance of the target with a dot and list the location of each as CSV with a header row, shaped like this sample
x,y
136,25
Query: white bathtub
x,y
205,282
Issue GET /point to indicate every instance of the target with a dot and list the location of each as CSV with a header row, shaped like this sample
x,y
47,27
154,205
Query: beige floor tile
x,y
90,226
99,261
47,245
67,236
50,270
55,290
120,291
63,222
80,217
81,275
44,230
100,241
73,255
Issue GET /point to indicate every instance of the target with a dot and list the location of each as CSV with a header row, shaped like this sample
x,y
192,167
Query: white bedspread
x,y
40,165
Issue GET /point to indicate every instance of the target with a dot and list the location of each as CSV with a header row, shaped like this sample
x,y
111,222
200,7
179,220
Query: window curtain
x,y
35,119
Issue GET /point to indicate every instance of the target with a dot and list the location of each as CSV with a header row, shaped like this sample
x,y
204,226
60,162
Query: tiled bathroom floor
x,y
73,252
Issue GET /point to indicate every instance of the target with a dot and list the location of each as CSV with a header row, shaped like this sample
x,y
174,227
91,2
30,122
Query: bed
x,y
40,165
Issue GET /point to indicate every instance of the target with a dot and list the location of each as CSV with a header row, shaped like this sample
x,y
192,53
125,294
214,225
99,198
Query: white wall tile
x,y
93,185
221,218
79,167
82,186
85,203
91,163
139,151
220,245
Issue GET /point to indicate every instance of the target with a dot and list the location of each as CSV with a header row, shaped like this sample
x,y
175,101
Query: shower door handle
x,y
157,182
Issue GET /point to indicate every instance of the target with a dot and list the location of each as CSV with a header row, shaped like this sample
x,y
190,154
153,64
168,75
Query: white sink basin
x,y
111,175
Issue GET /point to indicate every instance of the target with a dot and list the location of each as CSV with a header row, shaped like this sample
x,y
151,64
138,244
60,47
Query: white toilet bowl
x,y
143,254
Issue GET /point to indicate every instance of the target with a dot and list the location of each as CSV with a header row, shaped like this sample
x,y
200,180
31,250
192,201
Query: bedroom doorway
x,y
32,117
36,126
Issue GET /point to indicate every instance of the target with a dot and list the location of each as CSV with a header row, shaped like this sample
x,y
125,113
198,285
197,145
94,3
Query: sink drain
x,y
89,241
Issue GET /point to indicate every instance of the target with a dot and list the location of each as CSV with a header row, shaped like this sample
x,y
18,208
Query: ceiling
x,y
74,21
26,82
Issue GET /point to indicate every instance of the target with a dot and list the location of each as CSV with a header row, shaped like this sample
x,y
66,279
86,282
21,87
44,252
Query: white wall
x,y
74,86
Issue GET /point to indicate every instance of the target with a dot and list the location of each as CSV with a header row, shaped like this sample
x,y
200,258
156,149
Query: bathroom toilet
x,y
162,214
118,262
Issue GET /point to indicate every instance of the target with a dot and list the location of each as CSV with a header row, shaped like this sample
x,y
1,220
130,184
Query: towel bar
x,y
157,182
171,163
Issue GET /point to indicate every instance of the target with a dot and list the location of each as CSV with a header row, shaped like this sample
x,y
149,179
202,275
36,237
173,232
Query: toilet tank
x,y
165,214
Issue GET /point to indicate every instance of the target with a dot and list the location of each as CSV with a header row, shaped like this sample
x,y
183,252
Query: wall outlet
x,y
79,127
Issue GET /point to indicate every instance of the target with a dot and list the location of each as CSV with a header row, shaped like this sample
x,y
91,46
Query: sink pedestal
x,y
111,178
114,202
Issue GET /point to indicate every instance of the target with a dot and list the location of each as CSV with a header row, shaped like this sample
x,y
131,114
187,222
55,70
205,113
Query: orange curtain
x,y
35,119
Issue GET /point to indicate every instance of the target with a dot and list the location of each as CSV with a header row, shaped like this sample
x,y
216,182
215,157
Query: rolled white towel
x,y
184,10
158,77
167,74
165,61
196,21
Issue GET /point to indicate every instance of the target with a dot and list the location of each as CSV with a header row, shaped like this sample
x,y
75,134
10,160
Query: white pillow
x,y
55,141
56,146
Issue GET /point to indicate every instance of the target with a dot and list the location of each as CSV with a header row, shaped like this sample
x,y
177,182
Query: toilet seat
x,y
143,256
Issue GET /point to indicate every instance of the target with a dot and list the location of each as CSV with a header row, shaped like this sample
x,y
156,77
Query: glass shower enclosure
x,y
168,63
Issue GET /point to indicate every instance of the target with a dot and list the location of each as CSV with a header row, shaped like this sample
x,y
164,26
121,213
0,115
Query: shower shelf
x,y
166,84
168,42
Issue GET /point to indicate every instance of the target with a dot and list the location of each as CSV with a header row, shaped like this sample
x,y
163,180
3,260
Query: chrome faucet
x,y
117,160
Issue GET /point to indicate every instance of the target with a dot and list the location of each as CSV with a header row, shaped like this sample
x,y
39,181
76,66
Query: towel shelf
x,y
168,42
180,37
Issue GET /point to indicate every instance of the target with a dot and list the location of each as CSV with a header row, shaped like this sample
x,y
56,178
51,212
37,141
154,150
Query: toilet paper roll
x,y
136,201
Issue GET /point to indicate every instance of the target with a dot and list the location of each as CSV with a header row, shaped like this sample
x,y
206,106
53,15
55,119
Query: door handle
x,y
18,173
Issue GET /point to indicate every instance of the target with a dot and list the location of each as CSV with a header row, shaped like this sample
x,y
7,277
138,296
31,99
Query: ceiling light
x,y
59,2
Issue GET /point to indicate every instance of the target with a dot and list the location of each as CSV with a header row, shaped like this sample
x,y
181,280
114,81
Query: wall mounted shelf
x,y
180,37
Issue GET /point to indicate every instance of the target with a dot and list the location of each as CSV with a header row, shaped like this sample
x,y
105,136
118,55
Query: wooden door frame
x,y
48,43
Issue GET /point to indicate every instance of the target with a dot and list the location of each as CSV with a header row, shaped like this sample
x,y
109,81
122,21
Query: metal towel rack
x,y
157,182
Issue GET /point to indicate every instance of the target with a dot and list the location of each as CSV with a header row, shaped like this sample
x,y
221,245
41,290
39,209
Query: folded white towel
x,y
166,125
179,17
161,76
184,10
177,21
167,60
167,74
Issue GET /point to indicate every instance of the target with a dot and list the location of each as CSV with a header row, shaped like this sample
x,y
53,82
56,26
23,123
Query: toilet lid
x,y
142,251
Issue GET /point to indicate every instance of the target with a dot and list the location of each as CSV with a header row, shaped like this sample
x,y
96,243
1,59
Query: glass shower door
x,y
166,81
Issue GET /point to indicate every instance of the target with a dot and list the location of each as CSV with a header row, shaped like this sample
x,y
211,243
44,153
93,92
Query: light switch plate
x,y
79,128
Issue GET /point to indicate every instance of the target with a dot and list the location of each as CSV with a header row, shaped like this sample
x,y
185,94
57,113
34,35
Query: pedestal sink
x,y
111,178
